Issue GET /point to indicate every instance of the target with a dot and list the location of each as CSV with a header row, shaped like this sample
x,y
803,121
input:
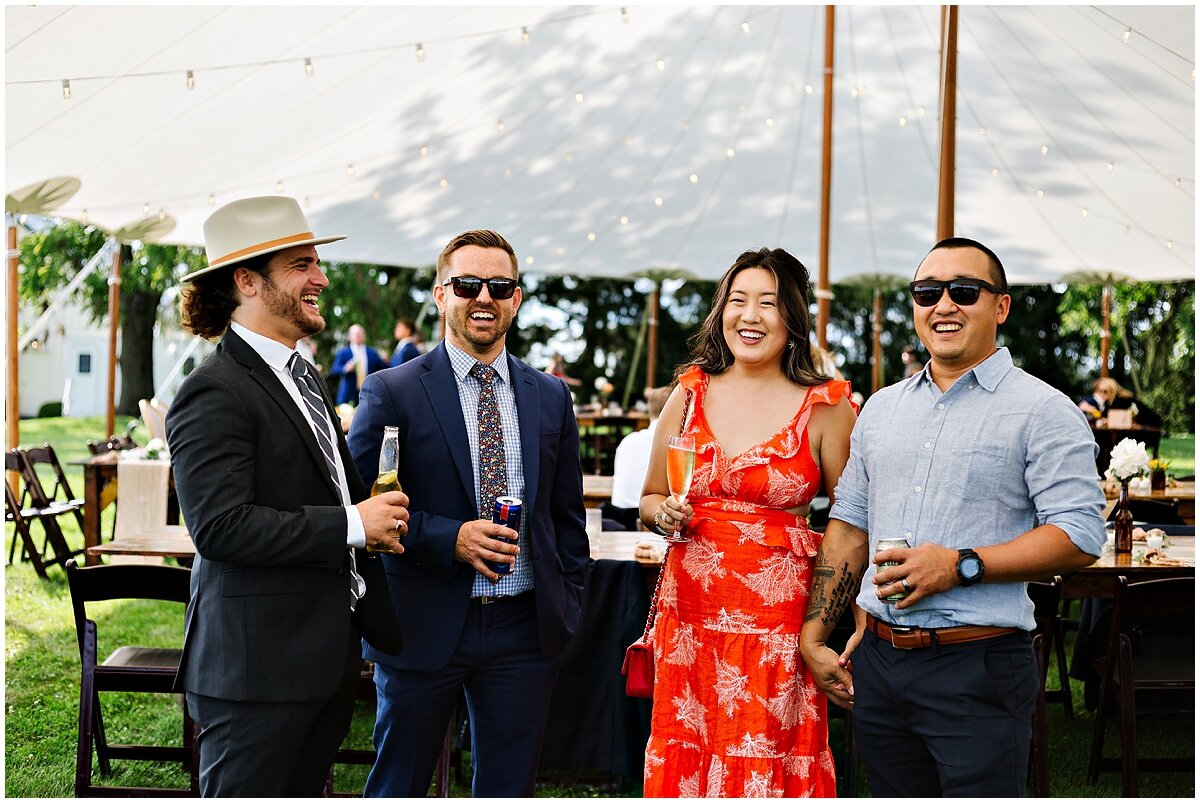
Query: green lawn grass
x,y
42,680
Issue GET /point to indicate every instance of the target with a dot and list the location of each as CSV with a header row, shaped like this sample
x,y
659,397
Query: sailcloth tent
x,y
613,141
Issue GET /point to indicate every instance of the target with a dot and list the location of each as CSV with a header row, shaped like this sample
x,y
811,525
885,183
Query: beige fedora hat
x,y
247,228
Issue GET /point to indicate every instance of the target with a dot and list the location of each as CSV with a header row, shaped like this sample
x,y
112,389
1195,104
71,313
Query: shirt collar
x,y
273,353
988,373
462,363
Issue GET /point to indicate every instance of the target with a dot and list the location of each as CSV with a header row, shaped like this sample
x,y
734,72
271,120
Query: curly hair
x,y
208,301
712,353
484,238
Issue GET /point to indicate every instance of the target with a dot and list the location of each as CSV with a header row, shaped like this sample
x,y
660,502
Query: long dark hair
x,y
711,352
208,301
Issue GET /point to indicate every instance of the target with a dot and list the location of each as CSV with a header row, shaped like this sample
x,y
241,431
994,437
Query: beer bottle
x,y
389,467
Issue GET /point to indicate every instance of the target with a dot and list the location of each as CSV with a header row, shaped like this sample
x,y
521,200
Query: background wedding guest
x,y
353,363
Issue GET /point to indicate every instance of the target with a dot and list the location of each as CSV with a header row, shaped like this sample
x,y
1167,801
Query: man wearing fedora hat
x,y
281,589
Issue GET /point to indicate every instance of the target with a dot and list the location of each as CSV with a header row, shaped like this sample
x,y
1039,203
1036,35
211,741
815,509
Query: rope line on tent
x,y
791,182
1050,136
691,227
1142,35
862,147
912,101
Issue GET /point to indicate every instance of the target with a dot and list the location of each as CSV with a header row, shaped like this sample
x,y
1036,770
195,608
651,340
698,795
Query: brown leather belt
x,y
914,638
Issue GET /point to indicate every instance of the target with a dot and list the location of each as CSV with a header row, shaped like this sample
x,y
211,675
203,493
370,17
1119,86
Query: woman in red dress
x,y
736,714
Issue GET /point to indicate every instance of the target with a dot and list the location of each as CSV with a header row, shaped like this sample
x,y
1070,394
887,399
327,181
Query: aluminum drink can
x,y
892,543
507,513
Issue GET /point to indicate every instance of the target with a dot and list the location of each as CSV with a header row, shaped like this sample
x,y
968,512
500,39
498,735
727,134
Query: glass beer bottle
x,y
389,467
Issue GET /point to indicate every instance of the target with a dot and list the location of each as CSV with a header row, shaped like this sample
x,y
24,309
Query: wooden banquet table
x,y
1100,579
168,541
100,491
597,489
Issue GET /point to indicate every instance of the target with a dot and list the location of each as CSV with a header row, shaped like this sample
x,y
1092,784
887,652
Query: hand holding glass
x,y
681,461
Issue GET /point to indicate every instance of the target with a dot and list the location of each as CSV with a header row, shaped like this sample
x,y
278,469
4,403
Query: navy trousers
x,y
945,721
508,681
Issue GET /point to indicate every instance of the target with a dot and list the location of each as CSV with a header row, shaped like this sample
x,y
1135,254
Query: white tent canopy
x,y
672,137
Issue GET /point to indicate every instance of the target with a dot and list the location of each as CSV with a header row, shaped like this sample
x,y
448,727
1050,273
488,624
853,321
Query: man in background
x,y
354,363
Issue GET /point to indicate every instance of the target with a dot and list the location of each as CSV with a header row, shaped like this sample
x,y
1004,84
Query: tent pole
x,y
114,309
876,346
1105,327
652,302
823,293
14,390
949,88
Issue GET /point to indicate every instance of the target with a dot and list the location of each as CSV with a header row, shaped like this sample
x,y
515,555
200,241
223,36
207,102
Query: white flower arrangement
x,y
1129,459
156,450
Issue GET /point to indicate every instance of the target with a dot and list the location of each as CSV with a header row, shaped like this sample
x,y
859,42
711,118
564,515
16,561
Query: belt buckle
x,y
486,600
902,631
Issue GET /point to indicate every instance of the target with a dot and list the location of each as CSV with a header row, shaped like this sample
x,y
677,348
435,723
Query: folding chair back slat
x,y
33,505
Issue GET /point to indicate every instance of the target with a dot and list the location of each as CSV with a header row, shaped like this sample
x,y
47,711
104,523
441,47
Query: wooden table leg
x,y
91,512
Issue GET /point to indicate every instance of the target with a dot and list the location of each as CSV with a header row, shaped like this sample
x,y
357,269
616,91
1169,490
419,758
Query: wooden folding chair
x,y
28,506
61,495
1149,670
126,669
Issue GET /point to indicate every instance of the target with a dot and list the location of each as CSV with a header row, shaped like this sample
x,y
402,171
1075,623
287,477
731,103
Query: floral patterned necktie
x,y
493,470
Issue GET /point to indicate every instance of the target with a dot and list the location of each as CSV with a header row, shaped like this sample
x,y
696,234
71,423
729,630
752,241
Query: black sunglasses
x,y
471,287
964,292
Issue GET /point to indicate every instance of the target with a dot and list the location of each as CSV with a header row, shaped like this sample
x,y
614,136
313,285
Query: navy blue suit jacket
x,y
431,589
347,392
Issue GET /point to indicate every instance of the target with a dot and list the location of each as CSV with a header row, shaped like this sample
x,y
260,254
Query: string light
x,y
808,90
191,80
279,186
662,65
66,89
1083,213
1170,243
1045,149
1178,183
658,200
982,131
1127,231
444,182
628,142
424,150
308,67
770,121
854,92
83,216
745,27
307,202
529,260
349,170
499,125
212,199
567,157
1041,194
579,97
920,111
162,214
624,220
376,194
729,152
693,178
741,108
420,52
686,125
624,15
560,250
507,171
146,208
995,172
903,120
524,35
591,236
1125,36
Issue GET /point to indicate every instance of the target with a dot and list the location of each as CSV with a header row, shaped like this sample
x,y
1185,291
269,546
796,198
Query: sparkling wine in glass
x,y
681,462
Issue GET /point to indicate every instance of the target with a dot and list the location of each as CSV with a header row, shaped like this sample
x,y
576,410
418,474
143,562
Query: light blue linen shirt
x,y
996,455
521,577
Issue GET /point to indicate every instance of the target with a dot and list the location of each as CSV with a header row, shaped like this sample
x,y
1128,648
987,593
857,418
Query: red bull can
x,y
507,513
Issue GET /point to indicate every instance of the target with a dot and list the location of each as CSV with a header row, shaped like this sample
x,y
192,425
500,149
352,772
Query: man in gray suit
x,y
281,589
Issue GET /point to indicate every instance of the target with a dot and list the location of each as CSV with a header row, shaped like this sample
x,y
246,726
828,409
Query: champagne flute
x,y
681,462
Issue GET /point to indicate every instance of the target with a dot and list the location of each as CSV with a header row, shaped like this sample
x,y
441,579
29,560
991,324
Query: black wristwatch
x,y
970,567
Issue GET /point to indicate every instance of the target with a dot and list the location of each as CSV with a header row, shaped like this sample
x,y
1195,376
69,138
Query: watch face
x,y
972,567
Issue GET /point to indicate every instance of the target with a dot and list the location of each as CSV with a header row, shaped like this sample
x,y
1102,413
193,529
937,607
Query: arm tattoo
x,y
832,591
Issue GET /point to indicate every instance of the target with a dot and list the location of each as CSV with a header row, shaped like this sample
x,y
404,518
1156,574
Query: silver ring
x,y
396,526
904,582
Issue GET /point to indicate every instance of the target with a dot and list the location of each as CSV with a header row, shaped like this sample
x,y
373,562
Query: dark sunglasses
x,y
471,287
964,292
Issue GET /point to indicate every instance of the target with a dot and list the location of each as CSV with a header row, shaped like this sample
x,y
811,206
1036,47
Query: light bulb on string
x,y
524,35
770,122
145,208
745,27
66,89
349,170
191,80
1125,36
420,52
307,202
1110,167
995,172
424,150
529,260
729,152
1083,213
444,183
658,201
162,214
376,195
560,250
1170,243
1127,231
279,186
83,216
507,171
212,199
624,15
1178,183
920,111
624,220
591,236
808,90
308,67
982,131
1041,193
579,97
662,65
1045,149
903,121
499,125
693,178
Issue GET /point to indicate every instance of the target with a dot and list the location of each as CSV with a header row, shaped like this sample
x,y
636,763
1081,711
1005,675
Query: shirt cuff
x,y
356,534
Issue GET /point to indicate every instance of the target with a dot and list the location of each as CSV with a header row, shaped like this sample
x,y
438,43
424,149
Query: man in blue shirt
x,y
989,474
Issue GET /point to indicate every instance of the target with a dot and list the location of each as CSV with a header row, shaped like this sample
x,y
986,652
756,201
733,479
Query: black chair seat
x,y
144,658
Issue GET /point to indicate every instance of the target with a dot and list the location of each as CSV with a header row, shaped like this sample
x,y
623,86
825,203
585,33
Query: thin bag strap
x,y
687,414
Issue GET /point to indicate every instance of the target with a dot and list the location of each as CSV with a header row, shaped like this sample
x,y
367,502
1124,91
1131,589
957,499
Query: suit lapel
x,y
262,374
441,389
529,414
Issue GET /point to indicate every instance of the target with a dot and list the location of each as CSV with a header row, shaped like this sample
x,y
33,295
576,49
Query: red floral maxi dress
x,y
736,712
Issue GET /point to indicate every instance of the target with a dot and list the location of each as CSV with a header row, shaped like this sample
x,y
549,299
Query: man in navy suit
x,y
353,363
475,423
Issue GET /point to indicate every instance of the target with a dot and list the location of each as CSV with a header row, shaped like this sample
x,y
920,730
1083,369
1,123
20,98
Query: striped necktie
x,y
493,469
315,406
